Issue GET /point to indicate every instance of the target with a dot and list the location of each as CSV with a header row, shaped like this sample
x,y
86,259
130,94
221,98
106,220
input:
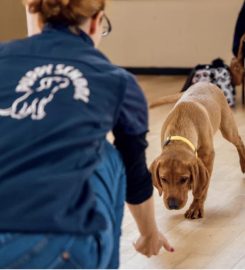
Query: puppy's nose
x,y
173,203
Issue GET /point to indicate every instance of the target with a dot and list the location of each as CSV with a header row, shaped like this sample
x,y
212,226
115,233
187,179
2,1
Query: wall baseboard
x,y
159,71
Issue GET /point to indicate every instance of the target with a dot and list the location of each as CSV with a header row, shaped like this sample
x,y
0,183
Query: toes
x,y
194,213
189,214
201,213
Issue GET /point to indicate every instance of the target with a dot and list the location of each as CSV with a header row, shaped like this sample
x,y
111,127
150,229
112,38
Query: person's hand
x,y
151,245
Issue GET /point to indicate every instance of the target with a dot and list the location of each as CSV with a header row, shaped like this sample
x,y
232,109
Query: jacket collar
x,y
65,29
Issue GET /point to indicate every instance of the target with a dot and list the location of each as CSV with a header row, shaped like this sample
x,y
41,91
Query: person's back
x,y
55,109
62,184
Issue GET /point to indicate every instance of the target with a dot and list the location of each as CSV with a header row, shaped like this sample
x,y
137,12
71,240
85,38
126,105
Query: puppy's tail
x,y
166,100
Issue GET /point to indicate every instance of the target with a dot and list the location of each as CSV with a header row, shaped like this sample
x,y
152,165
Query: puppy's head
x,y
174,173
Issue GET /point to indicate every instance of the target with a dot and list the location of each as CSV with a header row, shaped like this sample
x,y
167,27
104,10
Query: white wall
x,y
158,33
170,33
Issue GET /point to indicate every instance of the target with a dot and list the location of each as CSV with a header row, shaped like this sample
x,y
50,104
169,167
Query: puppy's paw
x,y
194,212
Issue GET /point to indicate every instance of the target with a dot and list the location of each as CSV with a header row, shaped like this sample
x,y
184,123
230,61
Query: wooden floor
x,y
216,241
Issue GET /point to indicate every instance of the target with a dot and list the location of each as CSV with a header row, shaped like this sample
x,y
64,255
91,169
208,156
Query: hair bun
x,y
65,11
48,7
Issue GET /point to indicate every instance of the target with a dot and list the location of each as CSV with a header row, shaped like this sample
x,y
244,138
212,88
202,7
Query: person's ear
x,y
34,25
96,22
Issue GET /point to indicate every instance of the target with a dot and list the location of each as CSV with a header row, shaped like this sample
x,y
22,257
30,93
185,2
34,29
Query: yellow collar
x,y
183,139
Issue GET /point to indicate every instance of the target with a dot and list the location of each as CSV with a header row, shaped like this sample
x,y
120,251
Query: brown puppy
x,y
186,161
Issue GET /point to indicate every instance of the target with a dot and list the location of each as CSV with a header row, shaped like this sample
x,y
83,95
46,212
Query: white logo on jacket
x,y
39,87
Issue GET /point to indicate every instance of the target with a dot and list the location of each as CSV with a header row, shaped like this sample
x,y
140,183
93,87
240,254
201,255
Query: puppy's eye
x,y
183,180
164,180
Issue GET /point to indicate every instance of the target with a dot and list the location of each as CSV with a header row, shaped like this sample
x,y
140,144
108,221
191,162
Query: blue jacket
x,y
59,97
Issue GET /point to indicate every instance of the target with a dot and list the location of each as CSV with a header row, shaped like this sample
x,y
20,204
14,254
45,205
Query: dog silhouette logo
x,y
39,87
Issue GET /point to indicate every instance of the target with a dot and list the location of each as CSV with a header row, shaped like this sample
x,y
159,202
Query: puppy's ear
x,y
200,178
155,176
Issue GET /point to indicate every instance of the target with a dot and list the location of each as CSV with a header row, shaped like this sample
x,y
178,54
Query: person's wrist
x,y
150,232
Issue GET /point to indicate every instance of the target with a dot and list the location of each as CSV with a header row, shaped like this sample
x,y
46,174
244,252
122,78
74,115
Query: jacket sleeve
x,y
130,139
239,30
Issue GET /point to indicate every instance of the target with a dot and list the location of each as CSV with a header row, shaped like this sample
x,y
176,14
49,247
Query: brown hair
x,y
72,12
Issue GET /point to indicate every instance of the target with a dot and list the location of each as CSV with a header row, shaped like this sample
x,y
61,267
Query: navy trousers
x,y
101,250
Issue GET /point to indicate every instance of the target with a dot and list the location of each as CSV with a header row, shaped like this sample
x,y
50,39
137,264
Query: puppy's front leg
x,y
200,183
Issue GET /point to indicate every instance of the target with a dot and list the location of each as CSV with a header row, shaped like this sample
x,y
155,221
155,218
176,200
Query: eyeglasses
x,y
107,28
